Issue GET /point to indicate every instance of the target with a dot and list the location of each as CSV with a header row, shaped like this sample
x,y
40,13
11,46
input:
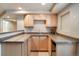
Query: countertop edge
x,y
69,36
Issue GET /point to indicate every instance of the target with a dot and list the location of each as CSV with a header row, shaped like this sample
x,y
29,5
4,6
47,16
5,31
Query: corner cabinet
x,y
28,21
51,20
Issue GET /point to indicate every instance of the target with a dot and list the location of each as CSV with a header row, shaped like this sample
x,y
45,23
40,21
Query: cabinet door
x,y
39,44
35,43
43,43
48,21
33,46
28,21
54,20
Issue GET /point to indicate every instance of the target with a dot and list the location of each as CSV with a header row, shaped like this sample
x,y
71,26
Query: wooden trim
x,y
39,50
28,26
67,12
53,50
42,50
52,7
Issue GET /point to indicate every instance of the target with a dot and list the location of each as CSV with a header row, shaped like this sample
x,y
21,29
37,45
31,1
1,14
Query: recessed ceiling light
x,y
19,8
8,16
43,3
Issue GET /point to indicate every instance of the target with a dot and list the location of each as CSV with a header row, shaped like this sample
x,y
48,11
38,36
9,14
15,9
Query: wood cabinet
x,y
44,17
39,44
44,43
39,17
54,20
28,21
51,20
35,43
48,21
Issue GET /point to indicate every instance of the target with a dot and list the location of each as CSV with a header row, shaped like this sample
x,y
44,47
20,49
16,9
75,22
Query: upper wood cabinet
x,y
54,20
46,18
28,21
48,21
39,17
51,20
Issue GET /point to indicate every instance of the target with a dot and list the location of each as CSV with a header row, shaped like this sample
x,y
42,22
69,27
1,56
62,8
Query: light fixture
x,y
43,3
19,8
8,16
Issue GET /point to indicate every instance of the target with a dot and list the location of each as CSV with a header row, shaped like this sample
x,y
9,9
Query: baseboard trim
x,y
42,50
39,50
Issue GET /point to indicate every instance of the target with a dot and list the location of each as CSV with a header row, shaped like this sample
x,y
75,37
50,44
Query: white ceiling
x,y
31,8
11,8
58,7
26,6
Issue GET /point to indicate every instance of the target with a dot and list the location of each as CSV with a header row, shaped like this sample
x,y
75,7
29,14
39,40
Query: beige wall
x,y
72,22
20,23
7,27
65,46
71,28
14,26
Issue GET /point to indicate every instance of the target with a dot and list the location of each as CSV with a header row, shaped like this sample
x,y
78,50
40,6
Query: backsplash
x,y
31,29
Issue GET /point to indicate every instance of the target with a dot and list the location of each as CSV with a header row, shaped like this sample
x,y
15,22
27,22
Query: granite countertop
x,y
59,40
19,38
24,37
9,35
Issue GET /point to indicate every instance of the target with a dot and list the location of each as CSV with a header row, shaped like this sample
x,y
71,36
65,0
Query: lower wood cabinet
x,y
38,44
14,49
44,44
